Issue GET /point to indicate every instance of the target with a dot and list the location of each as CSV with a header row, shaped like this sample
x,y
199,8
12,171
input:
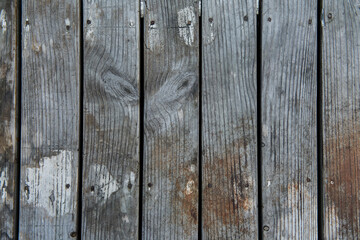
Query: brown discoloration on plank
x,y
229,200
170,203
227,211
50,119
8,113
111,120
341,121
341,186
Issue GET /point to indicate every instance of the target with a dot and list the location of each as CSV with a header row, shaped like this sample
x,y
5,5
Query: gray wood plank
x,y
8,116
229,142
49,119
341,119
111,120
289,93
170,201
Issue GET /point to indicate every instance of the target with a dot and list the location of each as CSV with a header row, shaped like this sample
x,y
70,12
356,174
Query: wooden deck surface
x,y
184,119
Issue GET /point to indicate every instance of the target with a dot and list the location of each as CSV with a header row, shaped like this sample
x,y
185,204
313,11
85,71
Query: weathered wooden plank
x,y
111,119
289,93
229,143
170,201
49,119
8,116
341,119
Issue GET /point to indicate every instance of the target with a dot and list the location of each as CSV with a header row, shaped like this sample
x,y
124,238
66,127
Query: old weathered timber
x,y
49,119
111,120
229,182
170,197
288,99
8,116
341,118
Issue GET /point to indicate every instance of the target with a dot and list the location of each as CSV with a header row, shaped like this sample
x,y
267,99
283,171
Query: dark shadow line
x,y
18,118
141,123
200,129
258,118
319,122
81,121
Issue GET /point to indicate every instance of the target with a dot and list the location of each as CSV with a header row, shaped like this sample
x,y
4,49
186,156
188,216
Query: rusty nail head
x,y
73,234
266,228
269,19
211,20
310,21
88,21
152,22
246,18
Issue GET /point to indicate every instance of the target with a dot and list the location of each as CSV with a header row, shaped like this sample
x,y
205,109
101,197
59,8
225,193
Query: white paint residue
x,y
106,183
200,8
94,13
3,183
186,22
27,34
67,22
125,219
153,38
3,20
142,8
192,168
132,177
189,186
268,183
265,131
211,36
46,183
181,114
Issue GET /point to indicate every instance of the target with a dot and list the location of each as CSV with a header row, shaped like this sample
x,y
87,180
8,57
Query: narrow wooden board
x,y
170,196
49,119
341,119
289,139
8,116
229,142
111,120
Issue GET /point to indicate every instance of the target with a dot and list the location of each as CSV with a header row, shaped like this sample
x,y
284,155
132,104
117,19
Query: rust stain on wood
x,y
229,199
343,153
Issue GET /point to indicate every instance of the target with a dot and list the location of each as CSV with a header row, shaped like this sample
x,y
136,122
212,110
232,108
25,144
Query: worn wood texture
x,y
49,119
8,116
341,119
289,93
229,143
170,200
111,120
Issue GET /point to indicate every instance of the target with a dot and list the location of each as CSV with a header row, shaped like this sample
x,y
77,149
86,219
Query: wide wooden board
x,y
229,131
341,118
170,193
111,120
9,17
49,119
289,119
